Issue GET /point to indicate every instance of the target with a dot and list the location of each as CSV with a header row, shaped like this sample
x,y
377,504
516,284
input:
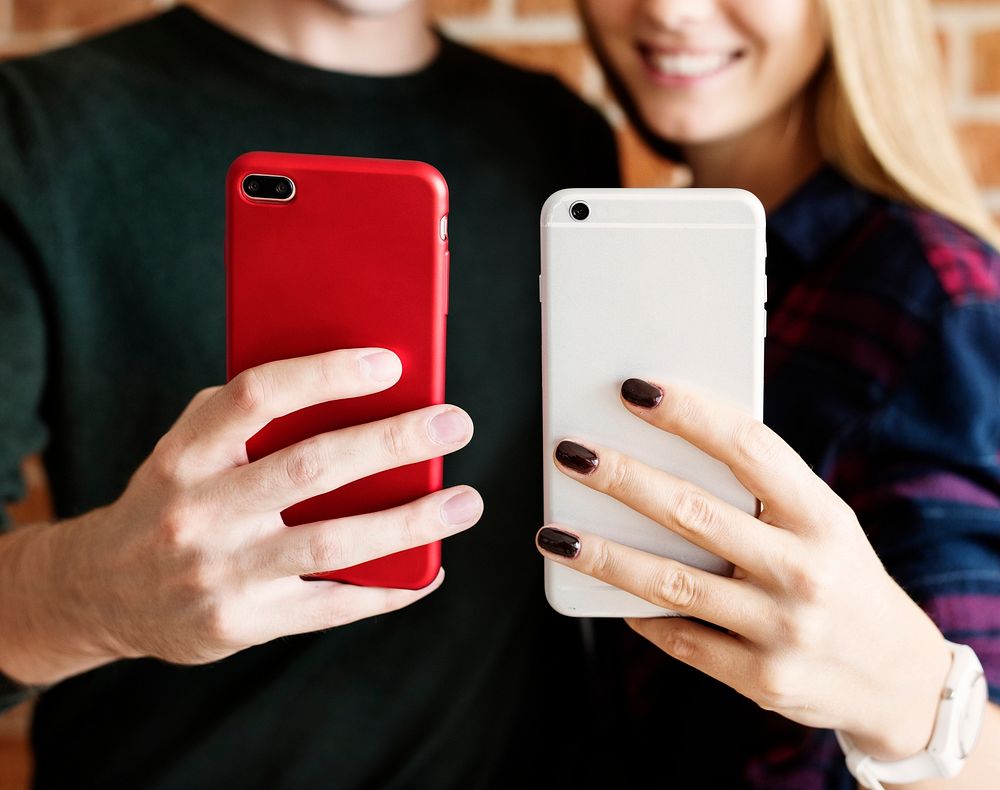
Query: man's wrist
x,y
47,635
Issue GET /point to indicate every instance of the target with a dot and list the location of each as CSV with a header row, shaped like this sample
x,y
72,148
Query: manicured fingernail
x,y
565,544
460,508
448,427
381,366
641,393
576,457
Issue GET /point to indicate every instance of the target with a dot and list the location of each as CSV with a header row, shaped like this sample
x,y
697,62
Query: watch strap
x,y
867,770
926,763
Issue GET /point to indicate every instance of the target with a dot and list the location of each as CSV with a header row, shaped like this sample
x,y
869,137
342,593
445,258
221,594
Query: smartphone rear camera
x,y
579,211
266,187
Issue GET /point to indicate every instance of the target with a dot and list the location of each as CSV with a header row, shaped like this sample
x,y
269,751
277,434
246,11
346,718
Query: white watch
x,y
957,726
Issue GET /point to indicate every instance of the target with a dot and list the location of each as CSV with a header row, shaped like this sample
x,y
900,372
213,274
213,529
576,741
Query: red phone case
x,y
355,259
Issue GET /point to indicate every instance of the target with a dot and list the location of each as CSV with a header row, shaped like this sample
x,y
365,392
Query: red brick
x,y
458,7
986,61
15,764
528,7
14,722
37,503
981,142
37,15
641,167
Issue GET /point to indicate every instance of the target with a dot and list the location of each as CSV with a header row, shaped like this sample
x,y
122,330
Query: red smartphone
x,y
328,252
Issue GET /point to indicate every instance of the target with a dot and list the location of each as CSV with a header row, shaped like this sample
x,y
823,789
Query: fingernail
x,y
565,544
381,366
460,508
576,457
448,427
641,393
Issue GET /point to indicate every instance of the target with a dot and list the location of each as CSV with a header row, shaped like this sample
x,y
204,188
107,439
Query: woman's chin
x,y
682,133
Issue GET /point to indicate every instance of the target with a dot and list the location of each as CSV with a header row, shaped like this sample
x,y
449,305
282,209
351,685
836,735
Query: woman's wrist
x,y
898,718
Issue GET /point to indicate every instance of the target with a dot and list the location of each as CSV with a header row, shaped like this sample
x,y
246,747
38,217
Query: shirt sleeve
x,y
22,364
922,473
22,375
924,480
23,335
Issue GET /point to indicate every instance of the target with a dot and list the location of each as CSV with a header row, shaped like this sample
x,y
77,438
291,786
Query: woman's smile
x,y
686,66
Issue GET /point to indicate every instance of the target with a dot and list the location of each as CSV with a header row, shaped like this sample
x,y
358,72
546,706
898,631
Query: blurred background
x,y
539,34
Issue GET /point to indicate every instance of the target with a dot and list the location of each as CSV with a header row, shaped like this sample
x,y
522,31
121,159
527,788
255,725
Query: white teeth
x,y
689,64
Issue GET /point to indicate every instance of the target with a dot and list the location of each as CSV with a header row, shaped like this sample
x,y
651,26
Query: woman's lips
x,y
686,67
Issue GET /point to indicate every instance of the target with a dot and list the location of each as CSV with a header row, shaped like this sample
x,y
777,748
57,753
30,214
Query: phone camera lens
x,y
579,211
253,185
281,188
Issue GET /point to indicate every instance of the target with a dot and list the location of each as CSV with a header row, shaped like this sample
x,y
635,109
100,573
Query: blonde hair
x,y
881,114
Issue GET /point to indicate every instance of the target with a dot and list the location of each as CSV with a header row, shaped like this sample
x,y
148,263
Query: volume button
x,y
539,288
447,277
765,305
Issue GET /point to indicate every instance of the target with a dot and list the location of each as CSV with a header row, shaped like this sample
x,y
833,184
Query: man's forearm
x,y
45,632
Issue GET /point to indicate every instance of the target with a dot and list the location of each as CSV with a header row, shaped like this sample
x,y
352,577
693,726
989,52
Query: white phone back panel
x,y
658,283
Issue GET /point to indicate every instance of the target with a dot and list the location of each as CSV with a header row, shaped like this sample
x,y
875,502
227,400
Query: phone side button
x,y
446,278
539,288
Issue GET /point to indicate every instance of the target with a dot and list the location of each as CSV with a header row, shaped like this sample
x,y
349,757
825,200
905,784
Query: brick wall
x,y
541,34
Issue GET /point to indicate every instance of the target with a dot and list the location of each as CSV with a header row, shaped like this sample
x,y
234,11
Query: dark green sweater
x,y
112,159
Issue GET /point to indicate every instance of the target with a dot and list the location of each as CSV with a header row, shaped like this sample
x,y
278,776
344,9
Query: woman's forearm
x,y
982,767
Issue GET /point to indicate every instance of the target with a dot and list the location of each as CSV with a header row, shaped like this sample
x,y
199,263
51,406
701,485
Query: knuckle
x,y
303,465
754,443
681,406
178,523
679,643
167,457
248,391
325,550
604,562
775,685
799,627
330,370
694,511
808,583
222,626
412,527
619,478
677,589
393,439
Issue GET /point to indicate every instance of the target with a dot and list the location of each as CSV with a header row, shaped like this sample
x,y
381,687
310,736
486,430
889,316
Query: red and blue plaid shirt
x,y
883,372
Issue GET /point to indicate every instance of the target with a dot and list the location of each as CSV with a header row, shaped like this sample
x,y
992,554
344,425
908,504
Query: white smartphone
x,y
658,283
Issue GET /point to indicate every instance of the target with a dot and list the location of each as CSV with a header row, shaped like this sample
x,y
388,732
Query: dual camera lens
x,y
579,211
263,187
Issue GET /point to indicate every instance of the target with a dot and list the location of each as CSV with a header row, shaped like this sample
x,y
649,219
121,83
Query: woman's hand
x,y
193,562
816,629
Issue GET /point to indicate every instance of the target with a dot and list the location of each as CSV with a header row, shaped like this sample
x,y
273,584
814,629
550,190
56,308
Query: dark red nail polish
x,y
641,393
564,544
576,457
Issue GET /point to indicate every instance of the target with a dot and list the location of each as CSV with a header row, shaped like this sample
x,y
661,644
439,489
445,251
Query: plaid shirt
x,y
883,372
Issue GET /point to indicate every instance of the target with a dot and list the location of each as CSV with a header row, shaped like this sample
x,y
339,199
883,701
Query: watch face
x,y
970,725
